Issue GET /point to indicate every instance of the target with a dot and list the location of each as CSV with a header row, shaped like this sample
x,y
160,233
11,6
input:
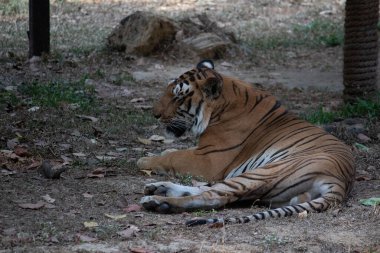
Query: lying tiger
x,y
250,145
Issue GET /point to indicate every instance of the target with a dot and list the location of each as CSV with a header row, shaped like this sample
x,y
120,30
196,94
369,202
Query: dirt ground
x,y
93,206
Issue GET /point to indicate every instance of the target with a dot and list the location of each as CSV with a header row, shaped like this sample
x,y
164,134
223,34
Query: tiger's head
x,y
187,102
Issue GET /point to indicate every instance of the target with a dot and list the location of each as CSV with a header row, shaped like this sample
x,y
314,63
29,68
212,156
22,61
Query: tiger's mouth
x,y
178,127
176,130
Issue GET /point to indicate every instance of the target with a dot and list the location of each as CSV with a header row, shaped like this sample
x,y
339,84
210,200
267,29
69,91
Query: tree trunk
x,y
39,27
360,49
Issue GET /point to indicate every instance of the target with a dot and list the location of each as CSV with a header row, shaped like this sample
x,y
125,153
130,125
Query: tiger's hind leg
x,y
219,195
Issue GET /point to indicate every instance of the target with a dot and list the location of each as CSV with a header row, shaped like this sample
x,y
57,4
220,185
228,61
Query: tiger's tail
x,y
317,205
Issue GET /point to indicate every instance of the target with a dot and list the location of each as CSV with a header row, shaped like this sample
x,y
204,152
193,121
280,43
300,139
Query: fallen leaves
x,y
132,208
144,141
47,203
88,118
154,139
48,199
129,232
17,160
85,238
33,206
115,216
87,195
100,173
90,224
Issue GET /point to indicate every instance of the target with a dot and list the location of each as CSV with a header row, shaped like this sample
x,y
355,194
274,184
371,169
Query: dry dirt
x,y
102,184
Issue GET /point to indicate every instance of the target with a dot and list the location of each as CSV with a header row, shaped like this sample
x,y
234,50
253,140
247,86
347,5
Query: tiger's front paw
x,y
148,163
144,163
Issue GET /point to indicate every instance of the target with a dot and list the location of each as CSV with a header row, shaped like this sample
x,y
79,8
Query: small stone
x,y
363,137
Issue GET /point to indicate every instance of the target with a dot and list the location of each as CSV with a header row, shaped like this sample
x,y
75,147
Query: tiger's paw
x,y
147,163
144,163
155,203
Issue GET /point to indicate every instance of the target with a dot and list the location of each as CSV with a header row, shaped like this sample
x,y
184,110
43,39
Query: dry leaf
x,y
84,117
140,250
87,195
144,141
115,217
34,165
97,173
66,160
168,141
157,138
90,224
48,199
132,208
21,151
137,100
6,172
79,154
33,109
49,206
129,232
85,238
143,107
302,215
32,206
147,172
105,158
11,144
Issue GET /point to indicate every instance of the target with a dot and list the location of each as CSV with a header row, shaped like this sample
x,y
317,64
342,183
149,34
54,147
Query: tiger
x,y
250,148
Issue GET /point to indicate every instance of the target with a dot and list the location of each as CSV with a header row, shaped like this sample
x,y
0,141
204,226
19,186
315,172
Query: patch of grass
x,y
122,78
320,32
187,179
317,33
9,98
362,108
13,7
54,94
273,240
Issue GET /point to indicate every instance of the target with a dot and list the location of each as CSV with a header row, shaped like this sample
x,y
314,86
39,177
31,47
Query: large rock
x,y
142,33
207,45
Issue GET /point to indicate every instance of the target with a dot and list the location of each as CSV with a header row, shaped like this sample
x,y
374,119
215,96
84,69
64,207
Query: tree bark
x,y
39,27
360,49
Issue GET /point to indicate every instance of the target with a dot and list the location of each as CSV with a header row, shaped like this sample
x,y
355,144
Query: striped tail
x,y
316,205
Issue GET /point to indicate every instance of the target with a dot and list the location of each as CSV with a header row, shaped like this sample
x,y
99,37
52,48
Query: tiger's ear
x,y
212,87
205,64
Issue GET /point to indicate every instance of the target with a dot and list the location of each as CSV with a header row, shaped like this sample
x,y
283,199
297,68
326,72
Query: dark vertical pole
x,y
360,49
39,27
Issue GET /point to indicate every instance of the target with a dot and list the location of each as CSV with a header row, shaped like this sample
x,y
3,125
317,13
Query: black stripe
x,y
231,185
246,97
278,213
291,186
262,216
